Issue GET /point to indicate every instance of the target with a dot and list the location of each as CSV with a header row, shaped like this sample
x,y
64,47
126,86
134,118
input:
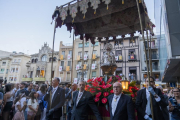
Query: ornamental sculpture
x,y
108,64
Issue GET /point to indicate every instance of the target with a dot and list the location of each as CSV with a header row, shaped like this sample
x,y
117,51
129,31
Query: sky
x,y
25,25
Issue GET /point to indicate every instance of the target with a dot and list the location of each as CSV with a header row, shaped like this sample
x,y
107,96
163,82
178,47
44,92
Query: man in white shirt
x,y
121,106
82,100
143,104
56,102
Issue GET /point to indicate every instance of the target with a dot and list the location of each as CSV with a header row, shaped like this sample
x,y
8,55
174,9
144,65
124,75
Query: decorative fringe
x,y
95,12
73,20
52,22
140,1
63,22
107,7
84,16
122,1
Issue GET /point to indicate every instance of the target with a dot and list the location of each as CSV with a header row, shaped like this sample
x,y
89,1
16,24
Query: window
x,y
63,53
15,78
32,60
2,71
118,52
86,44
93,73
54,59
121,42
132,41
69,63
85,74
15,60
96,44
36,60
80,45
10,78
12,69
94,62
44,58
79,63
3,63
80,54
19,60
62,63
70,52
116,43
68,76
6,71
17,70
85,52
94,52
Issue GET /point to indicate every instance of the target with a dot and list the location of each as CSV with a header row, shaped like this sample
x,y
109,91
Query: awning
x,y
172,71
119,69
132,68
102,18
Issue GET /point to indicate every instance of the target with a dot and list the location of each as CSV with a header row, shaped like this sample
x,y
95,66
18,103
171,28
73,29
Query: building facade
x,y
39,66
127,57
65,63
91,59
13,67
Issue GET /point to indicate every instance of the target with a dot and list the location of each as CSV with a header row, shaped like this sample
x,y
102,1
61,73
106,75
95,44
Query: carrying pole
x,y
150,60
83,60
91,63
137,1
52,58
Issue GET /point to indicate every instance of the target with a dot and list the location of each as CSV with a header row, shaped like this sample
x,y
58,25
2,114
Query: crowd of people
x,y
28,101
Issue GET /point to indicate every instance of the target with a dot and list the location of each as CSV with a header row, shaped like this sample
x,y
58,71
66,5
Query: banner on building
x,y
60,68
94,56
76,80
84,66
117,58
67,68
93,66
61,57
78,57
85,57
77,67
69,56
120,57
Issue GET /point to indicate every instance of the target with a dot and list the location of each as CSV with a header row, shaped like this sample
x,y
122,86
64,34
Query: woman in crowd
x,y
40,94
170,94
174,105
8,101
19,110
32,106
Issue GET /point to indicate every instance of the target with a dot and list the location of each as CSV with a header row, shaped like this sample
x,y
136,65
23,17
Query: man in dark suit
x,y
69,98
57,100
143,104
82,100
120,106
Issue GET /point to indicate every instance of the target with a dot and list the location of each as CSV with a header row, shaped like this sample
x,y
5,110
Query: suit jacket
x,y
141,102
124,110
80,111
165,111
57,102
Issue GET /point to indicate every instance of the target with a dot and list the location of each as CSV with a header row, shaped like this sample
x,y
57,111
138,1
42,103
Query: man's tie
x,y
114,104
79,96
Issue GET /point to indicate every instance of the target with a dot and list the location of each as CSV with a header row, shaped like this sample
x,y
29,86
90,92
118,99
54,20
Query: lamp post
x,y
125,84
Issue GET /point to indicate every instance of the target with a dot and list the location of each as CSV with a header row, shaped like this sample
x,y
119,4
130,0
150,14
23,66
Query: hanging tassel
x,y
95,12
84,16
70,35
122,1
73,20
52,22
107,7
63,22
140,1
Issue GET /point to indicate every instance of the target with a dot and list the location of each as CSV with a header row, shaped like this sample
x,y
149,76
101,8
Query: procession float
x,y
101,20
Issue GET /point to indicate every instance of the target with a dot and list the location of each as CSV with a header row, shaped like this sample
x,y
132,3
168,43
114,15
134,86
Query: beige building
x,y
13,67
78,68
39,67
65,63
127,57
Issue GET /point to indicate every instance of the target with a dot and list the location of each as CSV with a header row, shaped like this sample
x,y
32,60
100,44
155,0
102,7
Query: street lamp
x,y
125,84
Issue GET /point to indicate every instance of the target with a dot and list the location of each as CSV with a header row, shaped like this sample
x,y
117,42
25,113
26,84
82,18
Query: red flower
x,y
95,84
90,80
132,95
98,88
108,85
111,91
92,90
99,79
102,82
105,94
102,86
96,99
110,80
98,94
104,100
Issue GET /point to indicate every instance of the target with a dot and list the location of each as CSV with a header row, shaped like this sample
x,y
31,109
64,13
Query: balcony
x,y
133,77
153,57
132,58
15,63
30,69
27,79
119,58
152,47
155,68
39,79
79,67
85,67
1,72
95,56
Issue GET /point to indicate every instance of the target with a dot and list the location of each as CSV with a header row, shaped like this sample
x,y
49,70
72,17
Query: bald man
x,y
69,98
121,106
83,100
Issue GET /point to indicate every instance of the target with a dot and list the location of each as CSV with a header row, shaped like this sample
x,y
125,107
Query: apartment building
x,y
82,71
65,63
127,57
38,68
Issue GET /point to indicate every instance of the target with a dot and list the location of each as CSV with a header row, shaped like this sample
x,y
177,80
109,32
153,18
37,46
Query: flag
x,y
61,57
116,57
84,66
75,80
78,57
85,57
77,67
67,68
94,56
93,66
120,57
69,56
60,68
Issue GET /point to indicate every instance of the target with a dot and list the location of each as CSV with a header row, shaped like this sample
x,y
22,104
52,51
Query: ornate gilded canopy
x,y
102,18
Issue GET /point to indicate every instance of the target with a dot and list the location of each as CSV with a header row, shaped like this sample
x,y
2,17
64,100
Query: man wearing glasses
x,y
143,104
121,106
